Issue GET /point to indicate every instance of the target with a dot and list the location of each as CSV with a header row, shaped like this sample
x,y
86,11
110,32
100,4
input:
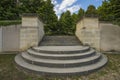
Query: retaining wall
x,y
102,36
88,32
110,37
10,37
21,37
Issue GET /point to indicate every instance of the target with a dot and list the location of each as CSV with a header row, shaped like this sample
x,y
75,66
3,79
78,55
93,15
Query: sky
x,y
73,6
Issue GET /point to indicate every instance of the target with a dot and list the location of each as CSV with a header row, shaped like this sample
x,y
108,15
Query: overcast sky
x,y
73,5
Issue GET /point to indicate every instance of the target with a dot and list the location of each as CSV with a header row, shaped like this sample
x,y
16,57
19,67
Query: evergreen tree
x,y
81,13
105,11
47,14
91,11
110,11
30,6
74,19
115,7
66,22
8,10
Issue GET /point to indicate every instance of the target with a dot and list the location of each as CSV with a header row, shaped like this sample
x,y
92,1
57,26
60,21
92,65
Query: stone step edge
x,y
62,65
60,55
26,66
34,59
57,49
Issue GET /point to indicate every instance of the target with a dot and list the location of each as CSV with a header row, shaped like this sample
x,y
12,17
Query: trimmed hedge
x,y
9,22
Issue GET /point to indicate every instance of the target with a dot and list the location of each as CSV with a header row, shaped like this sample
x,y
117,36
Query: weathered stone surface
x,y
54,62
0,39
31,32
110,37
102,36
30,21
28,37
60,41
88,32
10,38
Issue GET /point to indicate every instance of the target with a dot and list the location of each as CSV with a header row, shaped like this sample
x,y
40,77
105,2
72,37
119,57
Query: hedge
x,y
9,22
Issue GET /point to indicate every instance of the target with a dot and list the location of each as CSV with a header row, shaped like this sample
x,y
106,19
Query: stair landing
x,y
60,41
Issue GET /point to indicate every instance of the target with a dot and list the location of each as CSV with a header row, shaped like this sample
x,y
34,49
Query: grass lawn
x,y
8,70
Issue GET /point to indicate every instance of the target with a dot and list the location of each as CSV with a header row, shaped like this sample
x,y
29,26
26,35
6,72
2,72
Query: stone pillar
x,y
31,32
88,32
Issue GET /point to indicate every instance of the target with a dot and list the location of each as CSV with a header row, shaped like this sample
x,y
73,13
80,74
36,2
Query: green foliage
x,y
91,11
75,18
81,13
105,12
9,10
49,17
9,22
13,9
30,6
66,24
116,10
110,11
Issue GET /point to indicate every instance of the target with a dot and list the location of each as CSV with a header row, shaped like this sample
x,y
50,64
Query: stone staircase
x,y
60,60
59,41
60,56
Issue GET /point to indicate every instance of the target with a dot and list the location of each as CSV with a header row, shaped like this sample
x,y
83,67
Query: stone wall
x,y
21,37
0,39
110,37
88,32
31,32
10,38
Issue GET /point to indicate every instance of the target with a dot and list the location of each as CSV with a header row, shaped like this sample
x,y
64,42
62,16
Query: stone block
x,y
31,32
88,32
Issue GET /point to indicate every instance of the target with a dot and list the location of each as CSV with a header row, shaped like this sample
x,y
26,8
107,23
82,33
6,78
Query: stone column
x,y
31,32
88,32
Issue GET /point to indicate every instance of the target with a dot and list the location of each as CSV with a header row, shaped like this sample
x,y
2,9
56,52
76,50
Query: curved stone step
x,y
62,56
61,63
61,49
58,71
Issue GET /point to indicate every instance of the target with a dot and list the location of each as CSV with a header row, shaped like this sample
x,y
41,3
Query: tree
x,y
47,14
109,10
115,7
91,11
66,23
105,11
74,19
81,13
30,6
8,10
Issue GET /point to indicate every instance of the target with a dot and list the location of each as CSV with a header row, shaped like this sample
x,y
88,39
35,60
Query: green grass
x,y
9,22
8,70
